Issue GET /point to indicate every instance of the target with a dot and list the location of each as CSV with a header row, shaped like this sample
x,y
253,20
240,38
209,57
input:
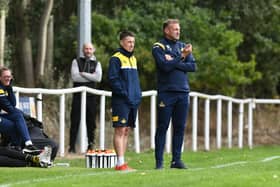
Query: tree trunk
x,y
42,45
50,39
2,36
26,46
26,54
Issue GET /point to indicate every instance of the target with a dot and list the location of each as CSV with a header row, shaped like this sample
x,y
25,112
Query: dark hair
x,y
125,34
167,22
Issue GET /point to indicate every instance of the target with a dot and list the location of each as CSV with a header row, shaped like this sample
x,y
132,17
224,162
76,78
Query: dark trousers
x,y
12,158
40,143
171,105
14,126
76,117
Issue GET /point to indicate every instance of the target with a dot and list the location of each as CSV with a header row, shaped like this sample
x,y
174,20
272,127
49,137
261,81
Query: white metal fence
x,y
250,103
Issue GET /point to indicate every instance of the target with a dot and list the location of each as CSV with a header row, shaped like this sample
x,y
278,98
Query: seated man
x,y
12,122
37,134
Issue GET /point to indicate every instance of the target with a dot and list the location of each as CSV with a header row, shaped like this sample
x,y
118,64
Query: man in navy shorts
x,y
126,94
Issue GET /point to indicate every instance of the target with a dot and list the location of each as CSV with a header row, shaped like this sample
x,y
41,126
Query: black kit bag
x,y
39,138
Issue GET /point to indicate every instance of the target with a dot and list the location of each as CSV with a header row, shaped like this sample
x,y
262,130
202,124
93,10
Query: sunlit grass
x,y
226,167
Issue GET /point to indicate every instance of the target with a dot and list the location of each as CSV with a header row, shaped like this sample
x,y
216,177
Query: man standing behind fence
x,y
85,71
173,60
126,94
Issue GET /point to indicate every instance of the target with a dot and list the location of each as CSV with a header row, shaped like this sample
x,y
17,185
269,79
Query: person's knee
x,y
126,131
17,115
121,131
162,129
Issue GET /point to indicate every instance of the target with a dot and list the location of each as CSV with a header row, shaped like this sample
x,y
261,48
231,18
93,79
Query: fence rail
x,y
195,96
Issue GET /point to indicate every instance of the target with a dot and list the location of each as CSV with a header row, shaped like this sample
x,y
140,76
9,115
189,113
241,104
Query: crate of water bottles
x,y
101,158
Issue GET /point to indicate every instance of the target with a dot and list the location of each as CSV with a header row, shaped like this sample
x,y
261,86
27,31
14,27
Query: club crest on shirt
x,y
115,118
161,104
123,121
168,48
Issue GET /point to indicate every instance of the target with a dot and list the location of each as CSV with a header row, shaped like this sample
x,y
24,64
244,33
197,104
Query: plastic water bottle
x,y
62,164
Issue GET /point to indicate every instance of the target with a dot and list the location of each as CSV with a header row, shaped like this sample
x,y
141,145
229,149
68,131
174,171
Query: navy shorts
x,y
124,115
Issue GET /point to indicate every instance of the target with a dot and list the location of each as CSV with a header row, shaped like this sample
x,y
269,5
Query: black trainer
x,y
90,147
178,165
71,150
31,149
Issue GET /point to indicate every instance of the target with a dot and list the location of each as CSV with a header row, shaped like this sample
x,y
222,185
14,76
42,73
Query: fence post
x,y
153,120
219,123
17,98
250,124
229,123
61,124
207,125
102,122
136,135
39,107
83,135
194,124
240,125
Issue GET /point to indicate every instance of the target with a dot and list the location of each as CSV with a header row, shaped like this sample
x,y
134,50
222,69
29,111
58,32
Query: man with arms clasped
x,y
173,60
85,71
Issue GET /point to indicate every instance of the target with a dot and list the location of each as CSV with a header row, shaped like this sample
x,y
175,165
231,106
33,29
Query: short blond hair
x,y
168,22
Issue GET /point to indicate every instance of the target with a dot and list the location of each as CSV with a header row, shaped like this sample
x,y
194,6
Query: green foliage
x,y
236,43
215,50
4,4
105,32
66,49
259,23
214,46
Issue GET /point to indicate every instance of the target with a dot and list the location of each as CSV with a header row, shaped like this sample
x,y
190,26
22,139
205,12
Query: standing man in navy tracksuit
x,y
173,60
126,94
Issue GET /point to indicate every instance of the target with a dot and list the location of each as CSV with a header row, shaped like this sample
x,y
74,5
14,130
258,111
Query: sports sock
x,y
120,160
28,142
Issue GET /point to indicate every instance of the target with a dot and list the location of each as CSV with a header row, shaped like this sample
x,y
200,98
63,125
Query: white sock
x,y
28,142
120,160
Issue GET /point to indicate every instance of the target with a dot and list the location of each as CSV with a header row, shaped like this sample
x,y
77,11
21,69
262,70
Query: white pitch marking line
x,y
270,158
229,164
196,169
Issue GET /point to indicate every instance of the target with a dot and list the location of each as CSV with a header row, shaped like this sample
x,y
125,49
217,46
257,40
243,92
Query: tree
x,y
214,45
24,46
259,23
42,46
225,48
3,10
29,39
